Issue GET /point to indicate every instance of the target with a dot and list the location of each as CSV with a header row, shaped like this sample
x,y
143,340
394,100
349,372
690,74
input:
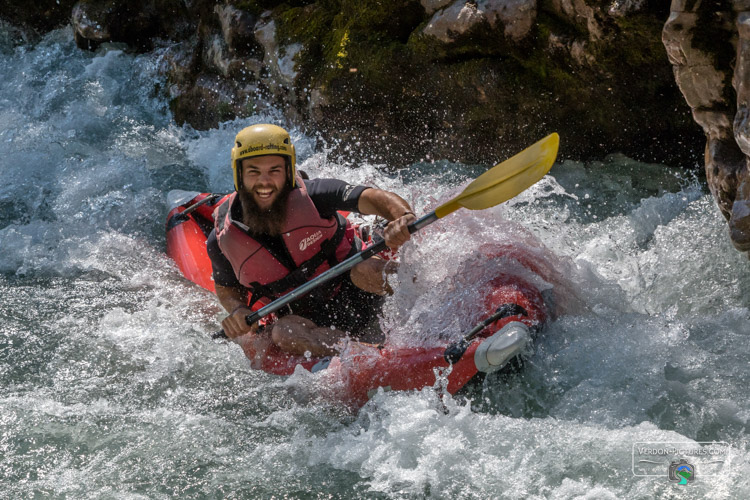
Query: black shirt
x,y
328,196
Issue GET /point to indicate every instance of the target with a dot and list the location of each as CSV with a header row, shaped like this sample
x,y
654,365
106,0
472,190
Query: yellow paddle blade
x,y
507,179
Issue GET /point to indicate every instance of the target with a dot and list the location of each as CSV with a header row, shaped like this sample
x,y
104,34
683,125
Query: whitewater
x,y
110,385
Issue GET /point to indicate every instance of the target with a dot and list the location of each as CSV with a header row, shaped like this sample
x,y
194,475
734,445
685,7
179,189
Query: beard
x,y
269,221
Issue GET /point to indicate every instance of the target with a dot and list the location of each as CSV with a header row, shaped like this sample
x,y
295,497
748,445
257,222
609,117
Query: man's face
x,y
264,177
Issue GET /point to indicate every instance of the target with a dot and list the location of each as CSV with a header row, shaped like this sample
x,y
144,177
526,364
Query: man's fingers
x,y
397,231
235,325
228,327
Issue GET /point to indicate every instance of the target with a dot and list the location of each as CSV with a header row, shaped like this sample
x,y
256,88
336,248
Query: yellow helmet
x,y
260,140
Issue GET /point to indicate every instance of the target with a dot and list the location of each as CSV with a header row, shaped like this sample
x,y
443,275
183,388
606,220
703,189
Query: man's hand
x,y
235,325
397,232
390,206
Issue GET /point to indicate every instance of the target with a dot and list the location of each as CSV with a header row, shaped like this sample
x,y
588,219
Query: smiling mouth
x,y
264,194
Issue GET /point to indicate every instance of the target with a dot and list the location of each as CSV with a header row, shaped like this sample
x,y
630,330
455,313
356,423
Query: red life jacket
x,y
314,243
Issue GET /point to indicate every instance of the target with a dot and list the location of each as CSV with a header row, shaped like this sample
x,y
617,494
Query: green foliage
x,y
379,22
349,41
549,21
306,25
259,6
225,111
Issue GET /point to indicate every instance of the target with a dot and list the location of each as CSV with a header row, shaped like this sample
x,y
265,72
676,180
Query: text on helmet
x,y
253,149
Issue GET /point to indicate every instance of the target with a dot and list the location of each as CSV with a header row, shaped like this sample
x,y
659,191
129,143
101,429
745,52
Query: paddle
x,y
500,183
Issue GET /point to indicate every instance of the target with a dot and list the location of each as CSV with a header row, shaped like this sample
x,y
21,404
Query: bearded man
x,y
278,231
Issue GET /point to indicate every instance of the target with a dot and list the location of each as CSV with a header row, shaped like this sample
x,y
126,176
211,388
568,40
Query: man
x,y
279,231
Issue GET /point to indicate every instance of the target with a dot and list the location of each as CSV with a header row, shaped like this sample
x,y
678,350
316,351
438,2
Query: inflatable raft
x,y
513,308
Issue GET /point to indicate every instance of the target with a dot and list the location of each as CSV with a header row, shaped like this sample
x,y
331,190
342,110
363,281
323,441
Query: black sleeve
x,y
330,195
222,269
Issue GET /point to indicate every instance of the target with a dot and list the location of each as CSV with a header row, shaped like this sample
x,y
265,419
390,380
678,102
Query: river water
x,y
110,386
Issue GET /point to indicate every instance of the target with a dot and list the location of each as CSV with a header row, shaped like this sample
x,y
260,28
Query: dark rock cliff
x,y
709,46
402,80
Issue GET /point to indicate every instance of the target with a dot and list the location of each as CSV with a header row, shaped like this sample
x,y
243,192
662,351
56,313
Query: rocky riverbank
x,y
403,79
473,81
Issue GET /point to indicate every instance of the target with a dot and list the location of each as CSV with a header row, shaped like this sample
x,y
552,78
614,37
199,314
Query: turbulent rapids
x,y
111,385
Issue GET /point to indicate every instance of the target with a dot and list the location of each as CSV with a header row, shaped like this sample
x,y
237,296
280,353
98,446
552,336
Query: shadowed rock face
x,y
405,80
137,23
475,81
40,16
708,44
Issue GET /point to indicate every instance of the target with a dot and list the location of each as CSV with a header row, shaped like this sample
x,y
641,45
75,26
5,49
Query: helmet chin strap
x,y
289,171
238,171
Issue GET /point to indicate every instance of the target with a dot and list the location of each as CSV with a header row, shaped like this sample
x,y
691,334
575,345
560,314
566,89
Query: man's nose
x,y
264,177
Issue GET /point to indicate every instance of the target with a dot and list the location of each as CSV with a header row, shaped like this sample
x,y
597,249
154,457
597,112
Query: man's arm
x,y
392,207
330,195
232,295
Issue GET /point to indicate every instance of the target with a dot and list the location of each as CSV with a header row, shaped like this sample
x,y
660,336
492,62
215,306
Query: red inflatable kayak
x,y
513,307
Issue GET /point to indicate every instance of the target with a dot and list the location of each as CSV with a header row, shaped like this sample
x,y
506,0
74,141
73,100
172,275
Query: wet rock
x,y
215,55
430,6
742,84
585,14
40,16
620,8
141,22
699,41
265,33
318,101
286,62
492,76
179,62
90,21
219,57
456,20
210,101
700,80
201,93
739,222
280,60
724,160
229,46
238,30
516,16
135,23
